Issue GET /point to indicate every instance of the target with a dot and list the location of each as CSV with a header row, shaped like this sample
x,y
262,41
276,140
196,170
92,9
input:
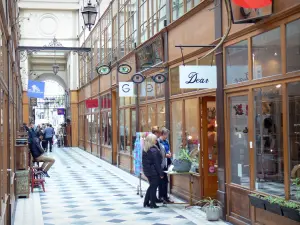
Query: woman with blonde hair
x,y
152,160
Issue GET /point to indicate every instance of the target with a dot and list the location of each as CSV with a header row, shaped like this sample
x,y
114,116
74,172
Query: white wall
x,y
59,18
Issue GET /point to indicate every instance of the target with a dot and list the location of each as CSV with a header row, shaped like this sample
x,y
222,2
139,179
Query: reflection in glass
x,y
152,116
127,129
212,138
237,63
143,120
161,111
176,127
266,54
178,9
239,153
268,140
293,90
133,128
174,75
122,130
293,46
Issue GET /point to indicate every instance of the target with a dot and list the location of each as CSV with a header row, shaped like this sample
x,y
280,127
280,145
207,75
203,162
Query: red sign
x,y
91,103
253,4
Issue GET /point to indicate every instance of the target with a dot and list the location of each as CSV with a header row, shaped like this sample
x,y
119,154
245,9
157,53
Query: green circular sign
x,y
103,69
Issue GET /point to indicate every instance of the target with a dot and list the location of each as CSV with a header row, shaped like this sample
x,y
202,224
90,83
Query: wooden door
x,y
209,150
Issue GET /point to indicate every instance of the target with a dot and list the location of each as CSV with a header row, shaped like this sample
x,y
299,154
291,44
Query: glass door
x,y
209,150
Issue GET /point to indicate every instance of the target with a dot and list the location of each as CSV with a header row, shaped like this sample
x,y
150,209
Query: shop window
x,y
192,139
269,140
143,120
266,54
176,126
127,129
293,90
293,46
133,127
237,63
161,112
152,116
122,130
150,88
174,75
142,91
239,153
160,90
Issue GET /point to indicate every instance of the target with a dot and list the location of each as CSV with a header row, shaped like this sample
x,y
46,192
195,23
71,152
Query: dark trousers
x,y
151,191
163,187
49,140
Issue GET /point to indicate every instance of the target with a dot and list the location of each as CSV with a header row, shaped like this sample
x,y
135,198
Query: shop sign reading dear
x,y
198,76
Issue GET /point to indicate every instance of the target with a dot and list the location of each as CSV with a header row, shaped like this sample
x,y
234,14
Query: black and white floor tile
x,y
84,190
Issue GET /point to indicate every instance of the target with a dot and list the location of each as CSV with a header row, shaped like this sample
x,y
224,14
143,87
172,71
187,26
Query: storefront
x,y
262,89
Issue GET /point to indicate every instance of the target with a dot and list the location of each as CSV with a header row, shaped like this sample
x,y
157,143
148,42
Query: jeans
x,y
49,140
163,187
151,191
47,162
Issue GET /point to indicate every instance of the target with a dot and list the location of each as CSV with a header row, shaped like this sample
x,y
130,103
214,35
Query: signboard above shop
x,y
198,77
126,89
250,11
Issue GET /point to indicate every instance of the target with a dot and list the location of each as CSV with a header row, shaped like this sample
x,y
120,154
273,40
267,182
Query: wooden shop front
x,y
262,97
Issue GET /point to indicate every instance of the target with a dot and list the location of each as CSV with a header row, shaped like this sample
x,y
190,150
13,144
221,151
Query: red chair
x,y
36,178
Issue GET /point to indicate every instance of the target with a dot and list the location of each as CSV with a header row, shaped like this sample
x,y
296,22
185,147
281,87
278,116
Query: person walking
x,y
49,132
151,160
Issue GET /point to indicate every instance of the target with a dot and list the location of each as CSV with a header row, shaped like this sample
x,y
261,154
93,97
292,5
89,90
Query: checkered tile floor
x,y
85,190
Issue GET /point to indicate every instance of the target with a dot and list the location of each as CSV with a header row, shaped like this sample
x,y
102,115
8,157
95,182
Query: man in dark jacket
x,y
31,133
38,154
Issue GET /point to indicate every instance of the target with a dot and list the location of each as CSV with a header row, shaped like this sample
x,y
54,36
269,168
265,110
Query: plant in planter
x,y
296,182
212,208
183,163
291,210
257,201
273,204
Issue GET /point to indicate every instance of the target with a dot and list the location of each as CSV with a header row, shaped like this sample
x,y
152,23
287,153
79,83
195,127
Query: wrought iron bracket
x,y
192,46
54,45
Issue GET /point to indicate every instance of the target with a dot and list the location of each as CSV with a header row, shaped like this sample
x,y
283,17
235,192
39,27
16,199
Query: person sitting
x,y
38,154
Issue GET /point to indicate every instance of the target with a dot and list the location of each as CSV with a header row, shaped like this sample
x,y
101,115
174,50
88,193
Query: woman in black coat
x,y
152,160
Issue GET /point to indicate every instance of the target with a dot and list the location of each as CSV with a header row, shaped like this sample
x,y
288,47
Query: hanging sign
x,y
252,4
250,11
35,89
60,111
91,103
124,68
198,76
33,101
126,89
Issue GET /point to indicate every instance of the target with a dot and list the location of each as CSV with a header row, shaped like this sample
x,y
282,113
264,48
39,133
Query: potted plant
x,y
291,210
257,201
212,208
273,204
183,163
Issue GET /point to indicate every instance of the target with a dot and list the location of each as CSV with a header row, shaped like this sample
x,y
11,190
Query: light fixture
x,y
89,14
55,68
275,53
278,86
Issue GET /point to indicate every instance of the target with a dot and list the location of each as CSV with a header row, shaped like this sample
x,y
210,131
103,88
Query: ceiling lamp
x,y
55,68
89,14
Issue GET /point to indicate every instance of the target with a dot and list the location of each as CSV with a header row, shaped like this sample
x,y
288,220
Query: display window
x,y
106,122
179,7
262,111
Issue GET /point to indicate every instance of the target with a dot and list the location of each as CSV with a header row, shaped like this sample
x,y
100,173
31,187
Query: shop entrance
x,y
209,152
